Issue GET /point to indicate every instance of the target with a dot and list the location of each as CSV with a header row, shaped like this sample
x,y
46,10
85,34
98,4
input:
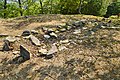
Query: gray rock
x,y
61,48
43,51
11,39
69,27
24,53
64,41
34,40
15,52
49,56
1,45
53,34
27,37
52,50
44,29
3,35
62,29
57,31
26,33
84,28
83,20
77,31
34,32
46,36
78,24
51,30
6,45
59,26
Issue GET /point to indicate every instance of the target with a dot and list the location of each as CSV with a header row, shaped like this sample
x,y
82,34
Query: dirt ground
x,y
96,57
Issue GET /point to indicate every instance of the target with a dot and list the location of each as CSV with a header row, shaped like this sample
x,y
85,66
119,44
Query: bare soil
x,y
96,57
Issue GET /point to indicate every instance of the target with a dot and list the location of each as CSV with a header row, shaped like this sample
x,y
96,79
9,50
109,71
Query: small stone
x,y
62,30
92,32
77,31
34,32
61,48
51,30
1,45
26,33
59,26
4,35
56,31
78,24
20,59
44,29
52,50
69,27
53,34
34,40
26,37
15,52
18,36
11,39
24,53
84,28
64,41
103,26
83,20
46,36
43,51
49,56
6,45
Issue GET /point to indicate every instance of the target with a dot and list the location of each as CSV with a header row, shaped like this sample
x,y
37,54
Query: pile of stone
x,y
48,33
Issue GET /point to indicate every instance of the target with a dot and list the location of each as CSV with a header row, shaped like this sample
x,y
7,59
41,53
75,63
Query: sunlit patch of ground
x,y
96,57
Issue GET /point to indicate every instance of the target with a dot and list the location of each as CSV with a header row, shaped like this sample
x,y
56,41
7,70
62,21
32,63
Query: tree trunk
x,y
21,13
5,3
80,6
41,6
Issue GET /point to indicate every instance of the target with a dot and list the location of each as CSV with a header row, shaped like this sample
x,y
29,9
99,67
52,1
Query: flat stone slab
x,y
34,40
24,53
3,35
11,39
52,50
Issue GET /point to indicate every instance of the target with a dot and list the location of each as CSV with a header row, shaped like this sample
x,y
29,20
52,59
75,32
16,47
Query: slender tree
x,y
21,13
41,4
80,6
5,6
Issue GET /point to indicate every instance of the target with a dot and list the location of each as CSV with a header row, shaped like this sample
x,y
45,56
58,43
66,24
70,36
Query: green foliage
x,y
31,9
113,9
69,6
95,7
35,7
12,10
1,9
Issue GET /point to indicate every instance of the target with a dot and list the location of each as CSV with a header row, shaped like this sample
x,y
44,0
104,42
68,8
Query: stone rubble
x,y
52,33
83,50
